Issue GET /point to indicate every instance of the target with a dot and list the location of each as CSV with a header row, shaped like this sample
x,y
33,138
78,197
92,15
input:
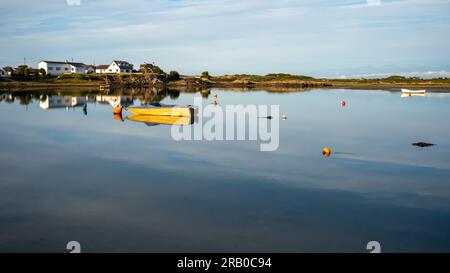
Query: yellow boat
x,y
157,109
152,120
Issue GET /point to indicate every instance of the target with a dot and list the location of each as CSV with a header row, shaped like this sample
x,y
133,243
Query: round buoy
x,y
344,103
284,117
326,152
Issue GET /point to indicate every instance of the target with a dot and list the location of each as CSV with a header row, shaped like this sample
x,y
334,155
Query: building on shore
x,y
115,67
101,69
56,67
90,69
3,73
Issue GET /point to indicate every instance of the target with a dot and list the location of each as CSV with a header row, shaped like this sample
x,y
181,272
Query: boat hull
x,y
407,91
163,111
166,120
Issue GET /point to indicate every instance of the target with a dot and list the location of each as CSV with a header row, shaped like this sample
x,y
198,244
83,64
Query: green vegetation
x,y
390,81
280,77
153,75
159,73
42,72
152,69
173,76
205,76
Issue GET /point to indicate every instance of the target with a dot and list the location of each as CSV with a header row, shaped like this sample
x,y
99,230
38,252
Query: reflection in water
x,y
407,95
116,185
54,101
115,101
85,109
151,120
57,99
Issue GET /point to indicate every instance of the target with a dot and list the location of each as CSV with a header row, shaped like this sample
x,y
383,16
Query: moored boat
x,y
408,91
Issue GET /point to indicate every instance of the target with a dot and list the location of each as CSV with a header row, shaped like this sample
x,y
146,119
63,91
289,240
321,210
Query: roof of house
x,y
71,63
123,64
105,66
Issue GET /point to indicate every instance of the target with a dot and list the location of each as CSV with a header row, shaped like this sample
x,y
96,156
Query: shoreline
x,y
249,86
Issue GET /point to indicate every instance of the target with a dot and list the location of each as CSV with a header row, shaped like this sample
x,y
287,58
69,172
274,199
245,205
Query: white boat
x,y
407,91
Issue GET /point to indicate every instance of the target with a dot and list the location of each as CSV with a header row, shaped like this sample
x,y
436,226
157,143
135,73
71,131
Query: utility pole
x,y
24,60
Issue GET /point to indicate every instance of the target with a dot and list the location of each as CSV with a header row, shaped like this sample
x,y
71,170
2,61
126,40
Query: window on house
x,y
58,68
50,68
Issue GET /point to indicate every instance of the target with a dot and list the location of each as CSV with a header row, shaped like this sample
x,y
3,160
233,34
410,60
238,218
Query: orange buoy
x,y
326,152
118,117
118,110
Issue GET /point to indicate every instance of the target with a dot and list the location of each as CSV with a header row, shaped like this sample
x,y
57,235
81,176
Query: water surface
x,y
124,186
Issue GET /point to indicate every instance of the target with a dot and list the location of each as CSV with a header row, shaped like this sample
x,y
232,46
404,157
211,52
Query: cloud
x,y
424,75
230,36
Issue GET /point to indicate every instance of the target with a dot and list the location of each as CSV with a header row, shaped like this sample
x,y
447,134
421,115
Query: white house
x,y
101,69
90,69
115,67
55,68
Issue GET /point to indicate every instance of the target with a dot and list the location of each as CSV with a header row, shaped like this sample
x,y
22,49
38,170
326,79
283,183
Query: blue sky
x,y
314,37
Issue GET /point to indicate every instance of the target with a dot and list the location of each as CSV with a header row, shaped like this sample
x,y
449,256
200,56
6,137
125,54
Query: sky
x,y
321,38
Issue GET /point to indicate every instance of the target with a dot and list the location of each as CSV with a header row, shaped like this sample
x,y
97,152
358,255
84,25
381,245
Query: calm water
x,y
124,186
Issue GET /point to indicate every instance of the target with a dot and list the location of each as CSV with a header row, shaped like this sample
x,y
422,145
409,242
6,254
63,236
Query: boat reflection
x,y
151,120
407,95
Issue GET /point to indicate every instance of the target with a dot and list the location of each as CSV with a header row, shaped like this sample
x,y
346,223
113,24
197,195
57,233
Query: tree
x,y
152,68
173,76
42,72
9,70
205,75
145,68
23,70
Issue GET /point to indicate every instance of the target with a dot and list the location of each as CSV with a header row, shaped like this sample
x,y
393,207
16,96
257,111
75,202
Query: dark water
x,y
124,186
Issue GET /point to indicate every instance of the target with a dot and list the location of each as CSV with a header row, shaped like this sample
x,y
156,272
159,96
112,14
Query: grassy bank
x,y
281,81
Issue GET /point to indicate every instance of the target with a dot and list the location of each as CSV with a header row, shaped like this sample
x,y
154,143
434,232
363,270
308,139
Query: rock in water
x,y
423,144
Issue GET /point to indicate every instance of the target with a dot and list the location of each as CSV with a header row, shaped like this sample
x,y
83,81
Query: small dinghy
x,y
157,109
407,91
